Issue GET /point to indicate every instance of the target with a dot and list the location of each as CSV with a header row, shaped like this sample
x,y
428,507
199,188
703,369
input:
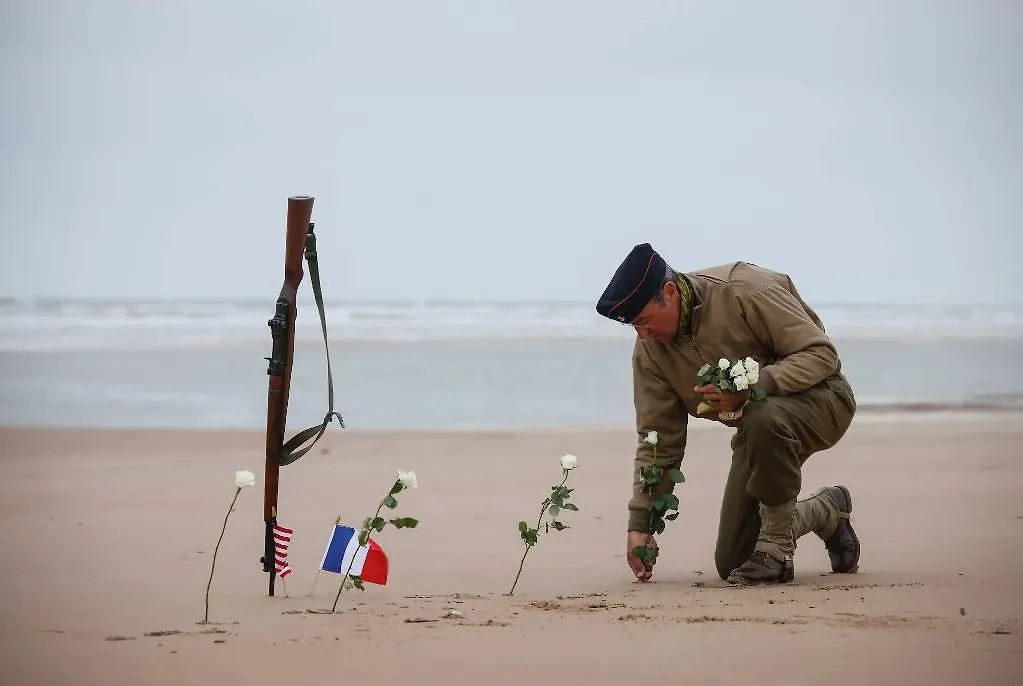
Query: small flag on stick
x,y
282,539
369,562
317,577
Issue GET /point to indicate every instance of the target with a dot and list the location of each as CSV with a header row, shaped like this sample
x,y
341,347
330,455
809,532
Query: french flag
x,y
370,562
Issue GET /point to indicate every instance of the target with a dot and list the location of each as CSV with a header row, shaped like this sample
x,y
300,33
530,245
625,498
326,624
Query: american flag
x,y
282,538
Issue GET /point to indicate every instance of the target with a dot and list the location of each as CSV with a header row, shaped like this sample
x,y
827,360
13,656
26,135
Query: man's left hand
x,y
722,401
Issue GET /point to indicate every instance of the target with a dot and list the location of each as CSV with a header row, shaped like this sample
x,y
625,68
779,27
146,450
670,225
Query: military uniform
x,y
735,311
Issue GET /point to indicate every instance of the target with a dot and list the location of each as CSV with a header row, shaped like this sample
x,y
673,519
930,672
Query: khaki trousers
x,y
773,440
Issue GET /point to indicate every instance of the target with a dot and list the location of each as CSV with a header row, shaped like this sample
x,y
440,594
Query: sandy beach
x,y
108,538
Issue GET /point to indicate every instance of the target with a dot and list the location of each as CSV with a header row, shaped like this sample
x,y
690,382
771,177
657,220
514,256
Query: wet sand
x,y
109,536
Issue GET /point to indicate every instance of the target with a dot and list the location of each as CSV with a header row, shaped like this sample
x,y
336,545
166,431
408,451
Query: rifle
x,y
300,237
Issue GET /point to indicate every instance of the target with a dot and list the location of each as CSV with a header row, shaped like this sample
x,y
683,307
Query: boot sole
x,y
852,532
787,576
743,581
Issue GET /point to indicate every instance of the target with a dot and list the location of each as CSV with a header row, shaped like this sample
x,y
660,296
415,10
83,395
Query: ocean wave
x,y
80,324
992,402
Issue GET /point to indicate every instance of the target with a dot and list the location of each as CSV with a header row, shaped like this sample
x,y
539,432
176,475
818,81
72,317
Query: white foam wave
x,y
28,325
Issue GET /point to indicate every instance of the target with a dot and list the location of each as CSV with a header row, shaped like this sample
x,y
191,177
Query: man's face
x,y
659,320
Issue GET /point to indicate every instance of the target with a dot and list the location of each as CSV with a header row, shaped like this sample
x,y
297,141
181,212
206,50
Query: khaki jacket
x,y
738,310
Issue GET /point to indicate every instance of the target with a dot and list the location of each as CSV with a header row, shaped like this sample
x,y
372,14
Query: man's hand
x,y
642,570
722,401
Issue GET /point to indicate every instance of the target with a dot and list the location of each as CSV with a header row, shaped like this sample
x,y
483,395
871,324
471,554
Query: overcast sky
x,y
512,150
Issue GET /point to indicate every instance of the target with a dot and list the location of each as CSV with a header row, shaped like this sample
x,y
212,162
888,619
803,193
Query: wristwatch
x,y
733,414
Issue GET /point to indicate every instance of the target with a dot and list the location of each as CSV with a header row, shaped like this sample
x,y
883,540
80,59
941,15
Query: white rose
x,y
651,438
408,479
244,478
569,462
751,365
753,375
741,382
737,370
723,364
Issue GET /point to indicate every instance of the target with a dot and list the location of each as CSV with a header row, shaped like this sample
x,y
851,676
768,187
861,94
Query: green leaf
x,y
676,475
379,523
664,502
643,553
553,511
570,506
558,526
390,501
404,522
357,582
650,476
647,554
522,527
703,370
530,536
559,494
363,537
396,488
671,517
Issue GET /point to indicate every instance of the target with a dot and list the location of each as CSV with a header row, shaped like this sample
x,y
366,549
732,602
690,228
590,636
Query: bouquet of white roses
x,y
736,377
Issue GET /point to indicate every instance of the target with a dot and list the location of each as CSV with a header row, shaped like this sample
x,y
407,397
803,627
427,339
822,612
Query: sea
x,y
438,364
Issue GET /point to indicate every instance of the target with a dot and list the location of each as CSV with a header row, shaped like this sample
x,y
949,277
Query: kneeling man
x,y
687,320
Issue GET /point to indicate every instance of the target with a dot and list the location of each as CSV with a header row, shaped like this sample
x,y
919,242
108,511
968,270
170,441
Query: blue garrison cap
x,y
636,281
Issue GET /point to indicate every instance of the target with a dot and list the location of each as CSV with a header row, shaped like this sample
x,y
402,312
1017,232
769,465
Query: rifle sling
x,y
288,452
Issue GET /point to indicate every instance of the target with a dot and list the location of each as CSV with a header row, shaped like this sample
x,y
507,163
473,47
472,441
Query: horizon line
x,y
442,300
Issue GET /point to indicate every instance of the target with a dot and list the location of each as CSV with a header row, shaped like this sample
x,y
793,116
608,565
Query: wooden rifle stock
x,y
282,331
300,240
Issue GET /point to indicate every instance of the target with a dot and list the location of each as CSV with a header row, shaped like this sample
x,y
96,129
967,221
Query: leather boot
x,y
761,568
771,561
843,545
